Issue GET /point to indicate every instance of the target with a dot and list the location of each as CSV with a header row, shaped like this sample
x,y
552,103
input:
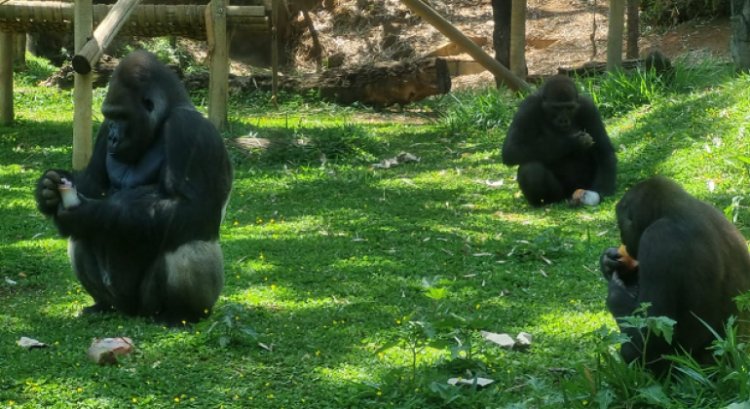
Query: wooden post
x,y
448,30
614,34
634,29
87,56
6,77
216,31
83,91
274,52
19,51
518,38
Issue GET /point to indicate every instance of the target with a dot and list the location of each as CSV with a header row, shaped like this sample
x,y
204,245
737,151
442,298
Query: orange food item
x,y
625,258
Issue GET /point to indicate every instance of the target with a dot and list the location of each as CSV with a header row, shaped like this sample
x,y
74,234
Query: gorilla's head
x,y
560,101
141,93
647,202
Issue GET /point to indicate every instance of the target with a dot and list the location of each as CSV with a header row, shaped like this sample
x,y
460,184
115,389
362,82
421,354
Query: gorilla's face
x,y
560,114
134,108
644,204
560,102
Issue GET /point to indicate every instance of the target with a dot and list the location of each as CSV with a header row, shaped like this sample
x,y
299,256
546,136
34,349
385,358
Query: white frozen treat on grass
x,y
586,197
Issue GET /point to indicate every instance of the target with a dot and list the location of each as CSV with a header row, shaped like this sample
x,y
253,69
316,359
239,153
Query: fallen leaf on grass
x,y
494,183
30,343
480,382
399,159
522,340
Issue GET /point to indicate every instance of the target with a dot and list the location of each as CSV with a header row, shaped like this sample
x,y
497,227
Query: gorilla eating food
x,y
144,238
690,264
560,144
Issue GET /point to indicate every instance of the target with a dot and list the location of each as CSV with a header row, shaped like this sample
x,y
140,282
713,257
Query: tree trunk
x,y
518,38
740,44
501,15
614,36
634,29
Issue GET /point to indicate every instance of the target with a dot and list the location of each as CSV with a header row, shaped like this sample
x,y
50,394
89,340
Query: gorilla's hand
x,y
610,263
583,139
47,196
622,299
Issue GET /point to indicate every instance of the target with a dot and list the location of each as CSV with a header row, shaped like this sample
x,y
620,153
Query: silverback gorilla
x,y
559,142
690,263
144,238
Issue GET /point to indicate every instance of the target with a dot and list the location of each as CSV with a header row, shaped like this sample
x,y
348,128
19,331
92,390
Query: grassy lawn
x,y
350,286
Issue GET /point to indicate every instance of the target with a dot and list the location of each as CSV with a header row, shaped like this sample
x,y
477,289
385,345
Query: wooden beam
x,y
218,53
105,32
6,77
448,30
83,91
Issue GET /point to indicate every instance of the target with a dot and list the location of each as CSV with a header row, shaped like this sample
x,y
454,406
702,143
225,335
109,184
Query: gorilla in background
x,y
559,142
685,259
144,239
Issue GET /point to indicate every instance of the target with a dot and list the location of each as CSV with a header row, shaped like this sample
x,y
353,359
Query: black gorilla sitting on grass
x,y
560,144
144,239
683,257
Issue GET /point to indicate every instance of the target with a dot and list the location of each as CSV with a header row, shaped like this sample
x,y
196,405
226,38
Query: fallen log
x,y
385,84
654,60
380,84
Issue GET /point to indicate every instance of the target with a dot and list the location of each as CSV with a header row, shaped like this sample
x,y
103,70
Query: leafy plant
x,y
229,328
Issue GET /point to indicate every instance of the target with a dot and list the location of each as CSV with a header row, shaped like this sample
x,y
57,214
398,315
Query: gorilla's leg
x,y
184,284
90,274
539,184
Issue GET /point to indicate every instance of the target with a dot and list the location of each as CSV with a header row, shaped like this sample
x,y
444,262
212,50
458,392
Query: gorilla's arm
x,y
530,139
660,285
185,205
590,120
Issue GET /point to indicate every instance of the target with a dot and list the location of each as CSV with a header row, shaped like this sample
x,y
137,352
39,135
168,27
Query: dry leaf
x,y
480,382
30,343
503,340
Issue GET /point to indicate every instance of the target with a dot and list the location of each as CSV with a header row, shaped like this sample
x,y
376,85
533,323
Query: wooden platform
x,y
148,20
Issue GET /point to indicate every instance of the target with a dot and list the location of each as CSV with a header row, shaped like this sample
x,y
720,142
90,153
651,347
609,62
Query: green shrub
x,y
671,12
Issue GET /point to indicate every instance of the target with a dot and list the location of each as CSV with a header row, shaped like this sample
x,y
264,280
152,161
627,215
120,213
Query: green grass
x,y
350,286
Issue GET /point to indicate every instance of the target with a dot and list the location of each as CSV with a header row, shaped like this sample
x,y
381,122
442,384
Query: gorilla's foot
x,y
97,308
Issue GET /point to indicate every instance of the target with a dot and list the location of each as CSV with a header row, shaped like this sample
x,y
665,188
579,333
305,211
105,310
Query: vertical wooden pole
x,y
19,51
216,32
615,34
275,52
83,91
6,77
634,29
501,17
518,38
